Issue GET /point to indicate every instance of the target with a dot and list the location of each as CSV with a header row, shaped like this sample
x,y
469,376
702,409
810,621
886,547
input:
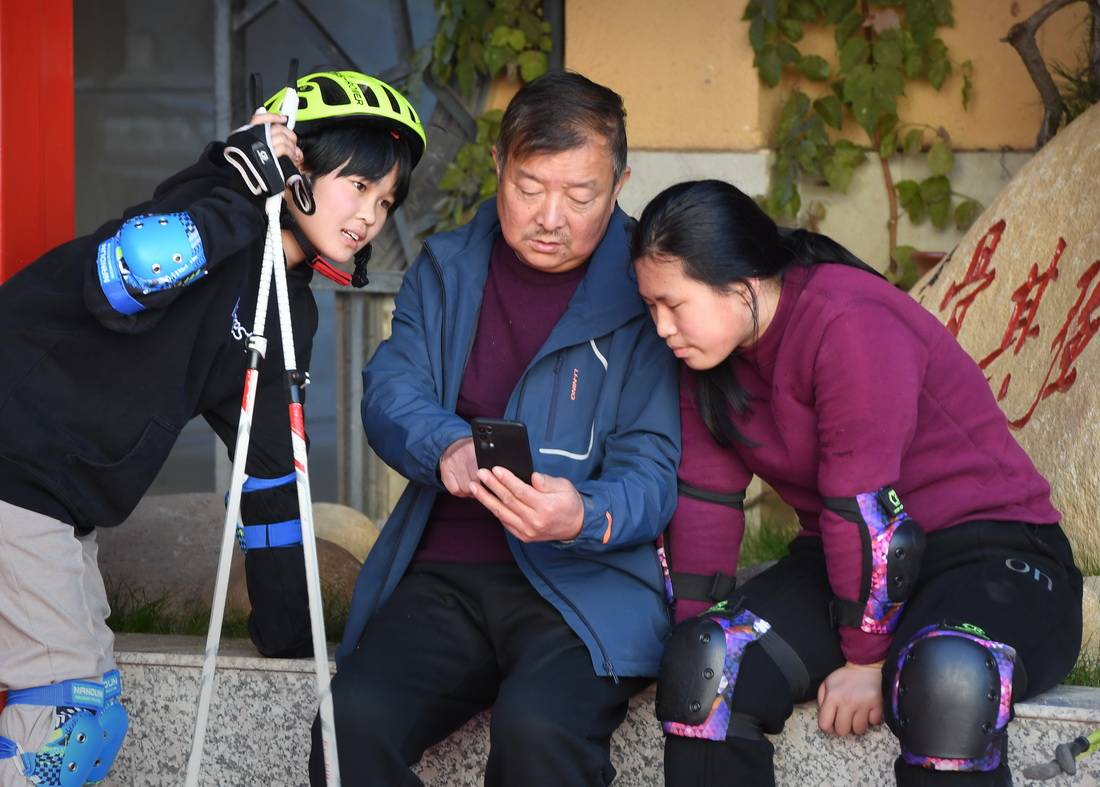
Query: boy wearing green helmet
x,y
113,341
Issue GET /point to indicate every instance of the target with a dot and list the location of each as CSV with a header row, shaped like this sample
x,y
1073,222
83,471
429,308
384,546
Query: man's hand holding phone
x,y
548,509
458,467
532,506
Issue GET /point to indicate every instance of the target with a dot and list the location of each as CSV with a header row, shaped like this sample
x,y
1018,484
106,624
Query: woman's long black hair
x,y
723,238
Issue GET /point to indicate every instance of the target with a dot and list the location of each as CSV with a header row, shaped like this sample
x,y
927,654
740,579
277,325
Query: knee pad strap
x,y
276,534
952,698
273,534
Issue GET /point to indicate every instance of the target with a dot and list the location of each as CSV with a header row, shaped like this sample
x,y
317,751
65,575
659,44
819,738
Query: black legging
x,y
972,573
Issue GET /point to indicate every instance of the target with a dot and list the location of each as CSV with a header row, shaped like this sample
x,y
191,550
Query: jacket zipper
x,y
554,395
603,651
523,548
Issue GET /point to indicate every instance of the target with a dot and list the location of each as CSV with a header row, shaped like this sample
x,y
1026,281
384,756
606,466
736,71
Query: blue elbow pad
x,y
149,254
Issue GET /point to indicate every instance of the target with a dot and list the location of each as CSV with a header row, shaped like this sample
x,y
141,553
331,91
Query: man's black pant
x,y
973,573
452,640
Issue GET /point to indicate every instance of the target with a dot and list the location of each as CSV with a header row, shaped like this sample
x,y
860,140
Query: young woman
x,y
111,342
930,586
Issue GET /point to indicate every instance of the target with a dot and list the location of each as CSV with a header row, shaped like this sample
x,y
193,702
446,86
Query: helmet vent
x,y
331,92
369,95
396,107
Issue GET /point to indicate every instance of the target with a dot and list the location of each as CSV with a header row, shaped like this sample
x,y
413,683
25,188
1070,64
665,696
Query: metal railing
x,y
362,322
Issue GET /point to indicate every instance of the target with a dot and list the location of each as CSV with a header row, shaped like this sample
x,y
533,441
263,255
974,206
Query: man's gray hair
x,y
557,112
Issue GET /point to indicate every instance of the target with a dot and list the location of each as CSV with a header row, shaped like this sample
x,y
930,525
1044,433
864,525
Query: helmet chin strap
x,y
323,265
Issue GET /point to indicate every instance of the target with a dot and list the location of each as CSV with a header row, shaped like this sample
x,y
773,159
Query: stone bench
x,y
262,710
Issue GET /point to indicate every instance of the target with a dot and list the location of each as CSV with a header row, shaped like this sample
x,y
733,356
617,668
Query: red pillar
x,y
36,129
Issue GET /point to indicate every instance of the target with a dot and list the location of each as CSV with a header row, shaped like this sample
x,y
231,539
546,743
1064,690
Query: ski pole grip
x,y
290,98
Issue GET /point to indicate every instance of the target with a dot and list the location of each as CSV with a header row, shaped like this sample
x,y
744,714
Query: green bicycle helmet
x,y
327,96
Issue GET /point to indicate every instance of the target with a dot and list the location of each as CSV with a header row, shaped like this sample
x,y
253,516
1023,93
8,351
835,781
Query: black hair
x,y
557,112
353,147
723,238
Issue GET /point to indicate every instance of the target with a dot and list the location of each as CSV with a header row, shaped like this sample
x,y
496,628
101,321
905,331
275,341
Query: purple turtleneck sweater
x,y
853,386
519,308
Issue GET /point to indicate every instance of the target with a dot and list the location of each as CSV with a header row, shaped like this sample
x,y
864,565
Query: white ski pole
x,y
272,263
257,346
296,382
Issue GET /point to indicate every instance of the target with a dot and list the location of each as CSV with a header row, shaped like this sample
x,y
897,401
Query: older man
x,y
542,600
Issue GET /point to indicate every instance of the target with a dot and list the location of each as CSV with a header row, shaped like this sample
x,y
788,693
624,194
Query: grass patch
x,y
765,543
1085,673
767,540
133,611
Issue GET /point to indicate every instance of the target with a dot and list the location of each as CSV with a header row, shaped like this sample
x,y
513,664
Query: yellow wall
x,y
684,68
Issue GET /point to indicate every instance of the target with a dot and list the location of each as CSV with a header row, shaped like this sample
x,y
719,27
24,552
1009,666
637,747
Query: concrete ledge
x,y
263,708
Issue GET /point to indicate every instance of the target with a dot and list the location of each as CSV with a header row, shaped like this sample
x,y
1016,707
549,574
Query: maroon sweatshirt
x,y
519,308
853,386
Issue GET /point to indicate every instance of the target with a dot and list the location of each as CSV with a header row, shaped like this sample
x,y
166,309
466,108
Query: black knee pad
x,y
952,698
699,672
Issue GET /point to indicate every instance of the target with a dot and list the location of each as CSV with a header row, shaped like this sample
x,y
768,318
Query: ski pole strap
x,y
702,587
277,534
70,693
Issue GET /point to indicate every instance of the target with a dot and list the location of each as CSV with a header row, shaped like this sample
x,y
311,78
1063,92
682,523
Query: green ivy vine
x,y
881,45
471,178
477,41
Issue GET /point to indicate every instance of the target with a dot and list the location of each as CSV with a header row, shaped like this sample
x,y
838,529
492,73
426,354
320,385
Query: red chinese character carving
x,y
1022,321
979,272
1066,347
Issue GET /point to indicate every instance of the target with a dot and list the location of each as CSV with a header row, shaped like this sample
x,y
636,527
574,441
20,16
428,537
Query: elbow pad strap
x,y
893,545
732,500
704,587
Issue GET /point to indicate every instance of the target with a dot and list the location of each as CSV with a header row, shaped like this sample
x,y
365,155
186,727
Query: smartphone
x,y
501,443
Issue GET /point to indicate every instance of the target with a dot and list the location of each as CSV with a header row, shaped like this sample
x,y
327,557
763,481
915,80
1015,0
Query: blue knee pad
x,y
952,698
72,748
699,670
114,722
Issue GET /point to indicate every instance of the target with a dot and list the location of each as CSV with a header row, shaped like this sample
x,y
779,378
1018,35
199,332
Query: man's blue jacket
x,y
600,403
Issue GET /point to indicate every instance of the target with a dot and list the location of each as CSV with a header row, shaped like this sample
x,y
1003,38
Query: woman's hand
x,y
850,699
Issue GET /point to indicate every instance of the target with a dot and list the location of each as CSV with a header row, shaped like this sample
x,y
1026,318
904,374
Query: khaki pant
x,y
53,611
